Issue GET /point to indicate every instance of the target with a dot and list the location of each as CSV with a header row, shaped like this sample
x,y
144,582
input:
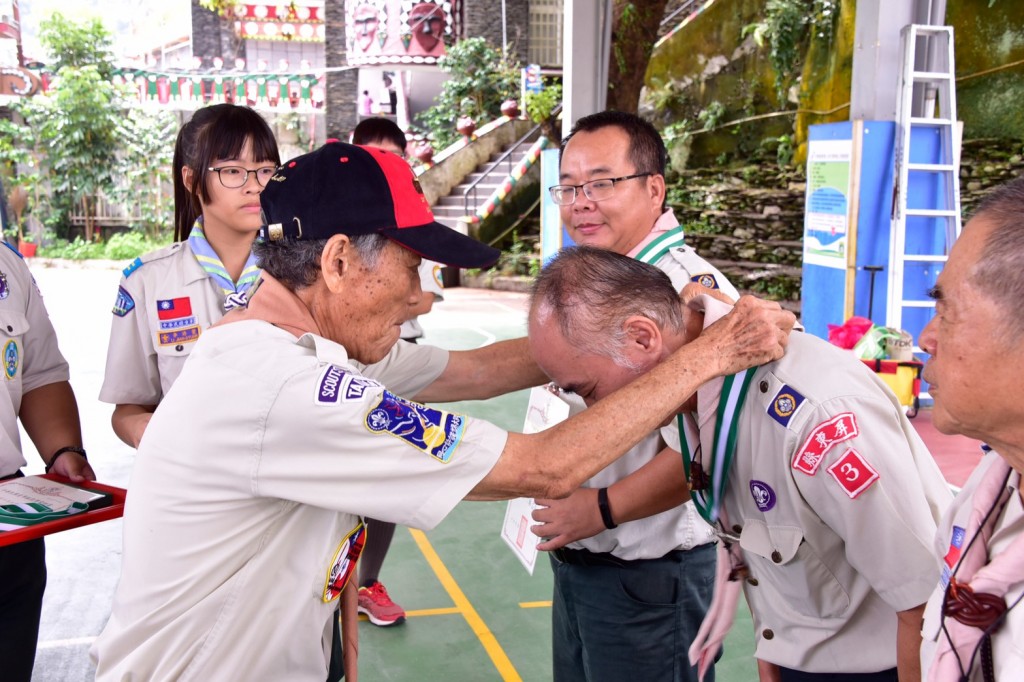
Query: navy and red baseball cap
x,y
348,189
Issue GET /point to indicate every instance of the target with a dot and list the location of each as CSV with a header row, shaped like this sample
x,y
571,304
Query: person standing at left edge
x,y
35,390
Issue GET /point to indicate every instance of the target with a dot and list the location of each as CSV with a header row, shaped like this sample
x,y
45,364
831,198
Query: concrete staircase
x,y
450,208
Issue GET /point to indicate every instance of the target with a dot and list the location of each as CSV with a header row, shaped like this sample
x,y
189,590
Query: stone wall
x,y
342,86
482,18
749,222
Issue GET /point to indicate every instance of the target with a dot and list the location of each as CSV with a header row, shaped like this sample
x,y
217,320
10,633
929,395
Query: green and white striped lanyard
x,y
653,252
707,495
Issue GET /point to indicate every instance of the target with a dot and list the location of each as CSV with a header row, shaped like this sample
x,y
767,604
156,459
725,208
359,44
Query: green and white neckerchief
x,y
15,516
707,494
666,241
234,292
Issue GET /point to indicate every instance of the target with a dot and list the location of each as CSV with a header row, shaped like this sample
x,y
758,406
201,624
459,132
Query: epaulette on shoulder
x,y
13,248
150,257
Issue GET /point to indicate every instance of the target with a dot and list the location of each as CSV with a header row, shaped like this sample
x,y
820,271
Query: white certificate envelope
x,y
544,410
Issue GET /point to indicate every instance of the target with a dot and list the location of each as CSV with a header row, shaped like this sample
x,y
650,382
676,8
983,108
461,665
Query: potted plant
x,y
543,107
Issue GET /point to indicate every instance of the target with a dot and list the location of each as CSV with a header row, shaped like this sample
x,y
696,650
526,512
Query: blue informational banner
x,y
532,80
847,222
552,235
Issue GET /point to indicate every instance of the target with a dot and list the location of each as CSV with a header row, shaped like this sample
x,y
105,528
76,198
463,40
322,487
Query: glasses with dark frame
x,y
233,177
595,190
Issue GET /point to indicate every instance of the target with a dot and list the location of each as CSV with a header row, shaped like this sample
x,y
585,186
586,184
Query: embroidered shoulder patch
x,y
785,404
853,473
430,430
132,267
124,303
436,272
840,428
336,385
343,563
11,358
705,280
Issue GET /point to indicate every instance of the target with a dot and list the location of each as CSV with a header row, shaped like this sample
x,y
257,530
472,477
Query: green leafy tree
x,y
481,79
634,30
83,133
77,44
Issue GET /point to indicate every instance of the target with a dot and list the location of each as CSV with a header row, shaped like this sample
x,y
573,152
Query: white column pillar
x,y
587,40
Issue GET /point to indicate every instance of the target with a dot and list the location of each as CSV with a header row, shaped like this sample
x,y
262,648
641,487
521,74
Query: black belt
x,y
583,557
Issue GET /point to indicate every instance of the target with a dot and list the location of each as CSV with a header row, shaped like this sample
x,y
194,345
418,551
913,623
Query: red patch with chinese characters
x,y
822,439
853,473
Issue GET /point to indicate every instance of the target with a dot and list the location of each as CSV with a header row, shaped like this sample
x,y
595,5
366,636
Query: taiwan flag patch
x,y
173,308
956,545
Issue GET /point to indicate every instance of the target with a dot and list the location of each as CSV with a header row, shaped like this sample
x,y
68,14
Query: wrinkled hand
x,y
572,518
72,466
753,333
693,290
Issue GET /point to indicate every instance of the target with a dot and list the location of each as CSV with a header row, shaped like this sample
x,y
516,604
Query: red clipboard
x,y
112,511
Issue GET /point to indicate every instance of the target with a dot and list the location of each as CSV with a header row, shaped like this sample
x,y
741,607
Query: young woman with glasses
x,y
223,157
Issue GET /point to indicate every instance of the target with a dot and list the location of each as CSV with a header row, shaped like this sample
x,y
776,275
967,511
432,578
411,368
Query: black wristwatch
x,y
67,448
606,511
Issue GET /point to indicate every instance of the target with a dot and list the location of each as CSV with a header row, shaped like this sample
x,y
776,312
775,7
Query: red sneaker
x,y
378,607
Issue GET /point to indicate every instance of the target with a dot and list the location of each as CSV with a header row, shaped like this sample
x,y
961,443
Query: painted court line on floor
x,y
465,607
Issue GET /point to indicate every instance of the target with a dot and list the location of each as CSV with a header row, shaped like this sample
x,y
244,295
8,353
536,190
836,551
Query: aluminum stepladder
x,y
926,201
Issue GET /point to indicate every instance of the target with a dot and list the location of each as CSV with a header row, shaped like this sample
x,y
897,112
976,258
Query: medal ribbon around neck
x,y
734,391
653,252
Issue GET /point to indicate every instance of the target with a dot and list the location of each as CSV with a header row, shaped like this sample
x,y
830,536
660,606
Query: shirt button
x,y
179,348
737,528
752,581
767,633
776,557
10,328
763,386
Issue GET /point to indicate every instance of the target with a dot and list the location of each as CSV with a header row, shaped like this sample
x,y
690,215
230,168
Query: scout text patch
x,y
785,404
336,385
433,431
11,358
956,544
174,308
124,303
344,563
853,473
706,280
764,496
827,434
177,336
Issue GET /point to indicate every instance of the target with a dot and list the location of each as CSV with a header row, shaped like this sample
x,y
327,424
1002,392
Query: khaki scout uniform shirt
x,y
1008,640
28,347
165,302
680,527
835,499
244,518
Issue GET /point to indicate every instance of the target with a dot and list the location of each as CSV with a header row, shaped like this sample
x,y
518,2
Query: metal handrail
x,y
687,7
506,155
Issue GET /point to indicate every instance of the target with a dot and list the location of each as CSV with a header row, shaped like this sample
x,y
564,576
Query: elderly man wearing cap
x,y
244,522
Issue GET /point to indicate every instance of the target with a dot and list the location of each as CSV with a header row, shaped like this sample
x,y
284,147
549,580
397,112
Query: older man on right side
x,y
974,623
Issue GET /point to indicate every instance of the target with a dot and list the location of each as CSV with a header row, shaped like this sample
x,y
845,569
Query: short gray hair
x,y
591,292
296,262
1000,269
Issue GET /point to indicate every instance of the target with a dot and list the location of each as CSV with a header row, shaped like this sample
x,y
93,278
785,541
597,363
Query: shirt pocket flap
x,y
778,544
13,323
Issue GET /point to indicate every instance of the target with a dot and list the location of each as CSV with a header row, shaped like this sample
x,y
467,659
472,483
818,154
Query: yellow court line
x,y
476,623
535,604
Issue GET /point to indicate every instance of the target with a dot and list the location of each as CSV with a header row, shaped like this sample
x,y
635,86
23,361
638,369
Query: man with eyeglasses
x,y
628,599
